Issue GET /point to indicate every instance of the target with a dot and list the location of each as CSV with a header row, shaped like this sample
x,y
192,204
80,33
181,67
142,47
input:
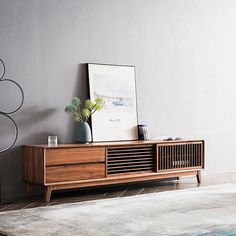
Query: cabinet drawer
x,y
74,172
74,155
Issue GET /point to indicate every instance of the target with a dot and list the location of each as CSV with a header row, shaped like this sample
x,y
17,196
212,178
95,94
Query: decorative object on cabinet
x,y
81,114
143,132
82,165
82,132
116,85
11,126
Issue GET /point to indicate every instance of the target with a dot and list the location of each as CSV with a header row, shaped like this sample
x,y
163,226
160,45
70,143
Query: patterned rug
x,y
200,211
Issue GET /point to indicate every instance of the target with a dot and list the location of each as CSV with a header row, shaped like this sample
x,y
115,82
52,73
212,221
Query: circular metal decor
x,y
15,135
22,96
6,114
3,70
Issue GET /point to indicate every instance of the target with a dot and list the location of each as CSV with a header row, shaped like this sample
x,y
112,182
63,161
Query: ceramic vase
x,y
82,132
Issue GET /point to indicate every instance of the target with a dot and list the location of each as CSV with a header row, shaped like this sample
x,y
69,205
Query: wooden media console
x,y
68,166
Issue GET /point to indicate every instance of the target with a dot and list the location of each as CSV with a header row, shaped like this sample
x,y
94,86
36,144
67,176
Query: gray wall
x,y
184,52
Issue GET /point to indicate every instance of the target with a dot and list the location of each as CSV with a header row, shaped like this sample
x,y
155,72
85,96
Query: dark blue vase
x,y
82,132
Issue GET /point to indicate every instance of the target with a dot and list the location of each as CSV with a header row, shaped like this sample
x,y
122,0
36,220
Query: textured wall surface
x,y
184,52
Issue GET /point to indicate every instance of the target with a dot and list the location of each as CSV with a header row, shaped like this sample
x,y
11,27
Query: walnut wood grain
x,y
74,155
114,144
121,179
81,165
74,172
33,165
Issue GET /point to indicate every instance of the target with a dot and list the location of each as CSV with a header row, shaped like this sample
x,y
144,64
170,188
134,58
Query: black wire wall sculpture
x,y
7,114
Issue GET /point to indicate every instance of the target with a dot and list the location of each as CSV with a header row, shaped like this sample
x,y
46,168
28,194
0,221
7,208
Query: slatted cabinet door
x,y
180,156
131,159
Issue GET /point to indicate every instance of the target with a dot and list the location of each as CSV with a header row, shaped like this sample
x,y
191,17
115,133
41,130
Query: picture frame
x,y
116,85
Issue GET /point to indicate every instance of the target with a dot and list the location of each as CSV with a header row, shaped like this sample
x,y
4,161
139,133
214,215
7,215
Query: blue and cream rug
x,y
199,211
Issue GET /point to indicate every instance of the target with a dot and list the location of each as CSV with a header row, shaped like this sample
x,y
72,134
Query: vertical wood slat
x,y
157,158
202,155
173,154
161,158
199,154
173,160
195,164
186,161
185,154
164,157
166,163
188,156
169,157
196,155
106,162
181,157
191,153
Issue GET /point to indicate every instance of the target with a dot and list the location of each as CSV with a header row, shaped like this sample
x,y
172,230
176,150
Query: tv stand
x,y
69,166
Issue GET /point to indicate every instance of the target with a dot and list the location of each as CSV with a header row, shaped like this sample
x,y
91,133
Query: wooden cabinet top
x,y
115,143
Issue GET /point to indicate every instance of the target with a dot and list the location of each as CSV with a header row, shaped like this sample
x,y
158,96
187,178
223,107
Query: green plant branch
x,y
82,114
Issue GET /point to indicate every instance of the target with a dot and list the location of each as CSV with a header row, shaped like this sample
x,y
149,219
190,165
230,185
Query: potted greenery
x,y
81,113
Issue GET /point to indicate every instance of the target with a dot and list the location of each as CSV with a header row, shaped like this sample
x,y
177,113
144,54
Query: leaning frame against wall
x,y
116,85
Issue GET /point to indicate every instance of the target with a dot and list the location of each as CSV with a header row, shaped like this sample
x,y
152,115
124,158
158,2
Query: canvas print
x,y
116,86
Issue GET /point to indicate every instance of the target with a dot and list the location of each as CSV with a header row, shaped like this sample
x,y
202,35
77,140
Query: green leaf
x,y
99,100
76,101
76,117
98,106
86,113
89,104
69,109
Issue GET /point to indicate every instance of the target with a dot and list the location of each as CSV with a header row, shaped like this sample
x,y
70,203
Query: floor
x,y
119,191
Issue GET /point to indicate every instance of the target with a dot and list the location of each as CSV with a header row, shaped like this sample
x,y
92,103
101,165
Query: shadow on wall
x,y
11,184
81,90
10,173
81,86
32,115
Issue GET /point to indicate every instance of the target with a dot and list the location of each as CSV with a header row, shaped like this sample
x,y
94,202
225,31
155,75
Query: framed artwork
x,y
115,84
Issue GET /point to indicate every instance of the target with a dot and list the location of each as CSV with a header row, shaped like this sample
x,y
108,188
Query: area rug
x,y
199,211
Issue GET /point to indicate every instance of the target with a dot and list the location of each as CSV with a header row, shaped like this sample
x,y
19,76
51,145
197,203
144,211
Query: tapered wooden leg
x,y
28,190
199,178
48,192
